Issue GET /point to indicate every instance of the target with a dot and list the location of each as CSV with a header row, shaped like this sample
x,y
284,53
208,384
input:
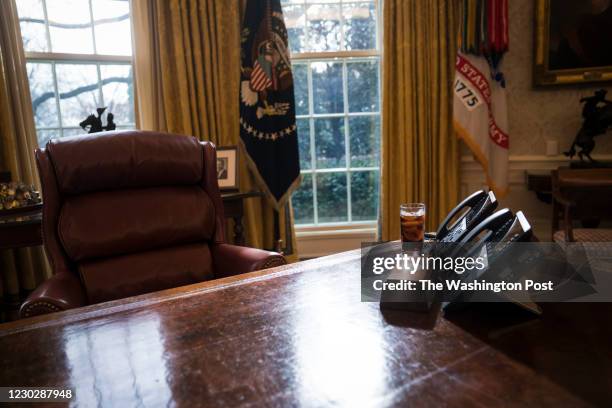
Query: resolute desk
x,y
299,335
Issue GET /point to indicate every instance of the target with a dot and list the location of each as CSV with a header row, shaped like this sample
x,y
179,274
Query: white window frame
x,y
54,58
320,239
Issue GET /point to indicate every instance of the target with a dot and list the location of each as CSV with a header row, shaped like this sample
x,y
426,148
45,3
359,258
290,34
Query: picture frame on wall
x,y
572,41
227,168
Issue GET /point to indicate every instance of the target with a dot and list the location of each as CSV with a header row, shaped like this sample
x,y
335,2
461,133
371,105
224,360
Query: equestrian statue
x,y
597,115
93,124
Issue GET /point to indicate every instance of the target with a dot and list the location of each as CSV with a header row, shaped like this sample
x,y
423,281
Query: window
x,y
336,67
78,59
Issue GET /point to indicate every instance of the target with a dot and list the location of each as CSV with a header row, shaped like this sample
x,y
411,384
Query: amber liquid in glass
x,y
413,228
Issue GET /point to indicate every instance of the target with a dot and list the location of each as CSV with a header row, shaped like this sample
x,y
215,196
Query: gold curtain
x,y
420,159
25,268
186,73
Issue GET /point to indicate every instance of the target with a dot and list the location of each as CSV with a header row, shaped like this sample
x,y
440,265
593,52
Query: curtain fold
x,y
420,158
23,269
187,73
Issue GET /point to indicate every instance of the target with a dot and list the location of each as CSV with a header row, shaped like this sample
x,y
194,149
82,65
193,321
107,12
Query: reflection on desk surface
x,y
299,335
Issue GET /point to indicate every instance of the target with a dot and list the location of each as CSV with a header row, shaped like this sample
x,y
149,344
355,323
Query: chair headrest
x,y
125,159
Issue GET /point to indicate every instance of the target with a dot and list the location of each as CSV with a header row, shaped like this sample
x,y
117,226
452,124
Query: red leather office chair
x,y
126,213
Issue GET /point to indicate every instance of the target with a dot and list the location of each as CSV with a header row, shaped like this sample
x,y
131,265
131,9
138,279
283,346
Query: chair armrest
x,y
60,292
230,260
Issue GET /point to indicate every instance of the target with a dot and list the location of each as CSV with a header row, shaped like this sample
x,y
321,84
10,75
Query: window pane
x,y
363,86
364,195
40,77
327,87
78,89
303,207
295,21
359,26
32,23
112,28
364,140
118,93
73,132
44,136
323,27
304,142
70,31
331,197
300,86
329,143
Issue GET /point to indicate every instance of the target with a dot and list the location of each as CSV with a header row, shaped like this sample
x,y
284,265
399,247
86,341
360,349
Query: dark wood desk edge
x,y
141,301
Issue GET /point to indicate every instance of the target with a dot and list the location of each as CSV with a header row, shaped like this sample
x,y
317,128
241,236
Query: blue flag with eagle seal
x,y
268,130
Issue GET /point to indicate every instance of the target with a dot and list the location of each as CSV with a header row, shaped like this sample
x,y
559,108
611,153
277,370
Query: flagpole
x,y
278,242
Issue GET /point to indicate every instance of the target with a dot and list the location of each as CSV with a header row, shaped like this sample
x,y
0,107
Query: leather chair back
x,y
130,212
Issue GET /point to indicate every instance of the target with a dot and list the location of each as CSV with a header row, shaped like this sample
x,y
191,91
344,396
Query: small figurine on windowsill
x,y
597,115
93,123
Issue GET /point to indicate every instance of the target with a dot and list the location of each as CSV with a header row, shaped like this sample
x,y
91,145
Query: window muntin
x,y
336,66
78,59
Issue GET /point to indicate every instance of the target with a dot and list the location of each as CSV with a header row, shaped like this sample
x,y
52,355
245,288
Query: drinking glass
x,y
412,219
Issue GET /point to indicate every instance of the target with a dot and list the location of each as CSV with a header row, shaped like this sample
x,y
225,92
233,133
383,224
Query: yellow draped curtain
x,y
186,69
420,159
23,269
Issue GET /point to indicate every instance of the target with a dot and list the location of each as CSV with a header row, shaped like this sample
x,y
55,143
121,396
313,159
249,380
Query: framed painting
x,y
573,41
227,168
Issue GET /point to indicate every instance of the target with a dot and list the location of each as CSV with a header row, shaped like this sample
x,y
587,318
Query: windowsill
x,y
353,228
320,240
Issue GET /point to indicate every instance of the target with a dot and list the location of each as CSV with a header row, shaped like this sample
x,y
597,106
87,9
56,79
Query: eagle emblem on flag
x,y
269,69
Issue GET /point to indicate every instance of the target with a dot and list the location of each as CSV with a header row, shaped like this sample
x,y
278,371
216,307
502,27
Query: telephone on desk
x,y
471,226
493,238
465,216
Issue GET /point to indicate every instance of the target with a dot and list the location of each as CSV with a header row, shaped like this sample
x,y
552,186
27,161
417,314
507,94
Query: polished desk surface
x,y
299,335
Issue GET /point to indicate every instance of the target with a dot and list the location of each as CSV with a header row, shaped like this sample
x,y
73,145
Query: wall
x,y
536,115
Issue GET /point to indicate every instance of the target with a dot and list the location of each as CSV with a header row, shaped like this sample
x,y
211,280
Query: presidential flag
x,y
479,105
268,130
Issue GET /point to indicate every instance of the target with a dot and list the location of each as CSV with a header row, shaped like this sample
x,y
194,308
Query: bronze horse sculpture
x,y
93,123
597,114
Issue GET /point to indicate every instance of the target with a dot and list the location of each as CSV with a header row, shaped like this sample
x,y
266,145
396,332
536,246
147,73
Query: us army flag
x,y
480,118
267,106
480,114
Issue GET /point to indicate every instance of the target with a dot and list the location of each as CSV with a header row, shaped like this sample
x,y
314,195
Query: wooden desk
x,y
299,335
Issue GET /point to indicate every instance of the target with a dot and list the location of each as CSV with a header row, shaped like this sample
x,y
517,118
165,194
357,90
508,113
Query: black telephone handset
x,y
496,232
493,237
475,208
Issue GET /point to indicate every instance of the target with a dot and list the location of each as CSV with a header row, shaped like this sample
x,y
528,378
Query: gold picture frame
x,y
563,64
